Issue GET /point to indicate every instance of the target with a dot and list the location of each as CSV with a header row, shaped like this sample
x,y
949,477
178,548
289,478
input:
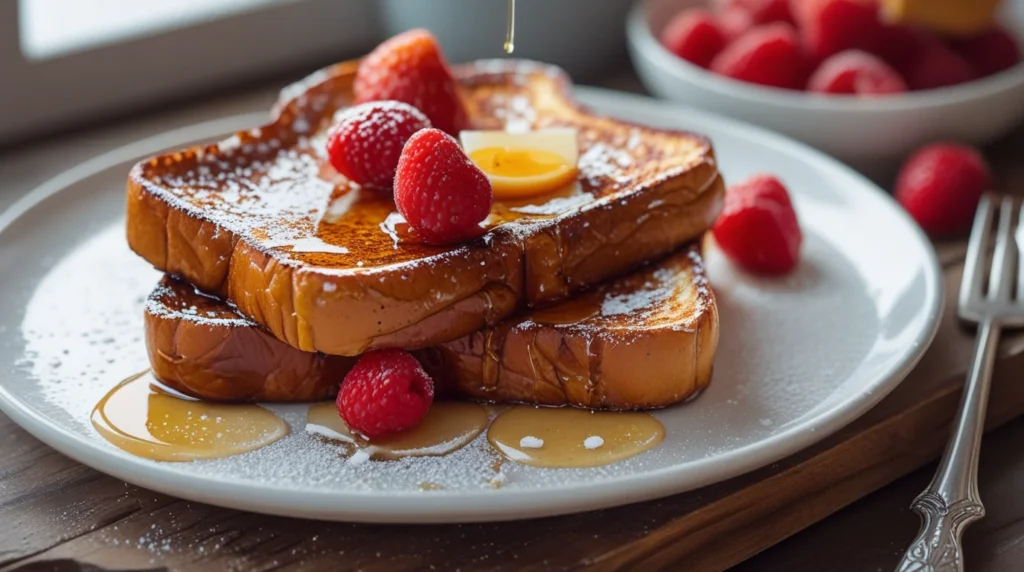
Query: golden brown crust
x,y
644,341
236,219
201,347
583,353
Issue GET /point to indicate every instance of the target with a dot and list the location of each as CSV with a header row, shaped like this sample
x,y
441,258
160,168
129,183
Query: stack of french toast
x,y
280,272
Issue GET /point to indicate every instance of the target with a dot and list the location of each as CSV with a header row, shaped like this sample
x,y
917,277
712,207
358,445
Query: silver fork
x,y
951,501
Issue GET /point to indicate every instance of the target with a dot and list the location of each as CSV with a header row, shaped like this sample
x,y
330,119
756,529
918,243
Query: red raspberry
x,y
411,68
903,46
830,26
857,72
990,52
386,392
694,35
766,55
940,186
937,66
760,11
441,193
734,22
758,228
366,142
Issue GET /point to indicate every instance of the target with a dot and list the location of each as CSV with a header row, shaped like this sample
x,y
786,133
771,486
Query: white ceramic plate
x,y
799,358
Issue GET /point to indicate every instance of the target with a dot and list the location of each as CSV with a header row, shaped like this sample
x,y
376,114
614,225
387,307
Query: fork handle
x,y
951,501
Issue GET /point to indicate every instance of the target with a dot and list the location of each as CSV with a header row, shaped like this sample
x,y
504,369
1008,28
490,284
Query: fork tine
x,y
1004,259
974,277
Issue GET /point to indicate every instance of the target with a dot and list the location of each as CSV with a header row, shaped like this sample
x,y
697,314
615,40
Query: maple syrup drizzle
x,y
447,427
147,420
510,29
572,438
569,312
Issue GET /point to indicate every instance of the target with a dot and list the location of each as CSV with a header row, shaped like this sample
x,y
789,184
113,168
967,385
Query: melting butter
x,y
569,436
147,420
447,427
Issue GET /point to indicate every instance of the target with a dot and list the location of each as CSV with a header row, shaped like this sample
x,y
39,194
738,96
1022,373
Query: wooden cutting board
x,y
57,514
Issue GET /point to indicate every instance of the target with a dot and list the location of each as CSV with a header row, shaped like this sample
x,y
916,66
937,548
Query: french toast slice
x,y
643,341
263,221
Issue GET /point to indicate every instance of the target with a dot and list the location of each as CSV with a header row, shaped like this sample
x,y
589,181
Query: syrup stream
x,y
510,30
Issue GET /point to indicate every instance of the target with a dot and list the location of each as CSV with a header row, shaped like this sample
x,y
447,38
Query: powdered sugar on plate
x,y
84,335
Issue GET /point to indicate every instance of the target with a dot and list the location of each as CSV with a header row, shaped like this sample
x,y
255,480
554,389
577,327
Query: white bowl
x,y
866,133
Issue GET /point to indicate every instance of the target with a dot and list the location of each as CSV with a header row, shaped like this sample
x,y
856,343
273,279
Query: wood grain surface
x,y
58,515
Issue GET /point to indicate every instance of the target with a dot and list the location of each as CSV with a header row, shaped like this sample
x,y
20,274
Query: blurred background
x,y
73,62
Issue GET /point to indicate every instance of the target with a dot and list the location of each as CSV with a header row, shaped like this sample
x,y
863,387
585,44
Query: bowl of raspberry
x,y
836,74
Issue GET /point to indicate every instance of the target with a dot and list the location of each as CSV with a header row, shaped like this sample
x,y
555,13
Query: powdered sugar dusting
x,y
273,188
84,335
165,302
602,163
642,299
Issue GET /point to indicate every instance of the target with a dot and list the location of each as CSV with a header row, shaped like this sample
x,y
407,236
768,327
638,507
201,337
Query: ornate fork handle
x,y
937,546
951,501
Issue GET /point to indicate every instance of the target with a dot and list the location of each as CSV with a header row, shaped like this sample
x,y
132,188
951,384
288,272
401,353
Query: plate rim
x,y
478,505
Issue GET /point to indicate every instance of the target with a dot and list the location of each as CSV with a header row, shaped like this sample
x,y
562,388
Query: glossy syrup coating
x,y
645,340
263,221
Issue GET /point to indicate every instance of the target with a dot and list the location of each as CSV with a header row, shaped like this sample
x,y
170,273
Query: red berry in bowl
x,y
441,193
937,66
733,22
991,52
366,141
830,26
766,55
758,228
411,68
386,392
940,186
695,36
902,46
856,72
759,11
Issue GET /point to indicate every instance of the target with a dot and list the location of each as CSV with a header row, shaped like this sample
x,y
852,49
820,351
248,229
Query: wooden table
x,y
58,515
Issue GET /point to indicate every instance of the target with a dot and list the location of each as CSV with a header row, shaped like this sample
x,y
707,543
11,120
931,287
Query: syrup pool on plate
x,y
147,420
447,427
572,438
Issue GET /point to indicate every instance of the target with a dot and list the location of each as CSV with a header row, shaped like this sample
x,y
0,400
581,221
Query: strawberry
x,y
937,66
758,228
411,68
694,35
856,72
940,186
991,52
766,55
386,392
367,140
830,26
441,193
759,11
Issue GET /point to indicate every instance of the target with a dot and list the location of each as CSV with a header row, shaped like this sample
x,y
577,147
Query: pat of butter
x,y
560,141
953,17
